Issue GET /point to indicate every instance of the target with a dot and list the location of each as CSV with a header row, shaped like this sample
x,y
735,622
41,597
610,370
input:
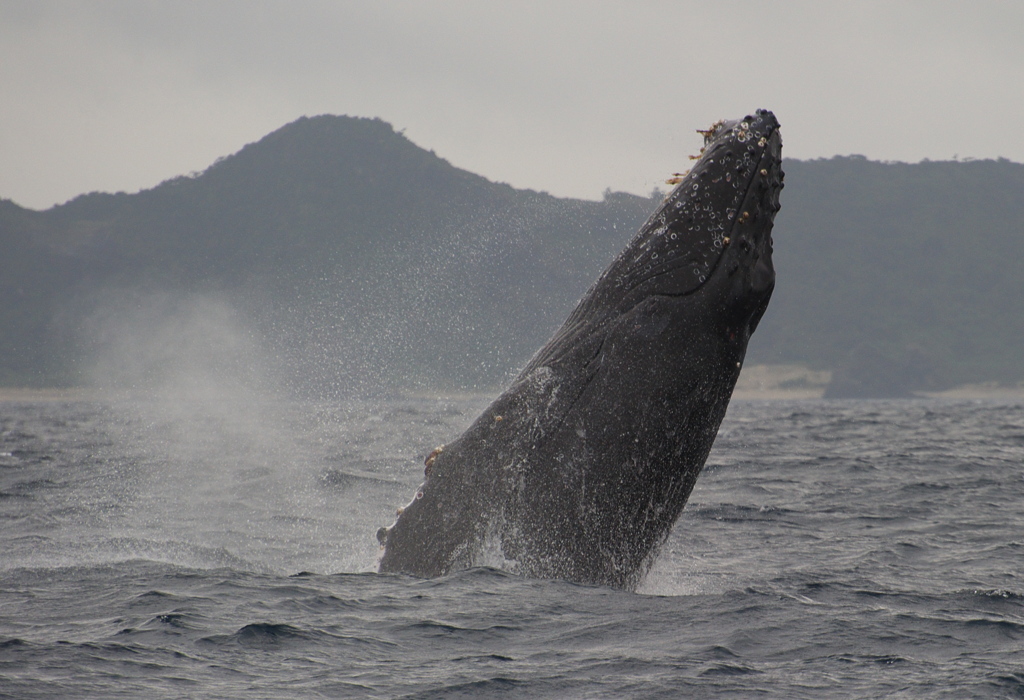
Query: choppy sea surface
x,y
176,548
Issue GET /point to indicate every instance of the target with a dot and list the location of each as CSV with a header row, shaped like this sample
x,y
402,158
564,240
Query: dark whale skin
x,y
579,470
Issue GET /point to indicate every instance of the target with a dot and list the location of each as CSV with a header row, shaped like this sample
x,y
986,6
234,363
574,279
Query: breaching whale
x,y
580,468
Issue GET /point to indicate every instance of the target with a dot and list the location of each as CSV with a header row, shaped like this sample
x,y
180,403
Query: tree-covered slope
x,y
918,261
356,258
341,242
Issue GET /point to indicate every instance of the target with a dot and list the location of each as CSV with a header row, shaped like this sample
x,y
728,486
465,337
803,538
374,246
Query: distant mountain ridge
x,y
356,258
910,264
342,243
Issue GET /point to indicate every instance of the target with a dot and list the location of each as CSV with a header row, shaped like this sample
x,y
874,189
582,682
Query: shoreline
x,y
756,383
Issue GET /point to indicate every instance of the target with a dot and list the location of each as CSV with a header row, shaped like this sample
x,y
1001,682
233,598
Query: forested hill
x,y
354,257
345,256
907,272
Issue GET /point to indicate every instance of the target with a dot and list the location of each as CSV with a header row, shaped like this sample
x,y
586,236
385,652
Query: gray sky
x,y
565,96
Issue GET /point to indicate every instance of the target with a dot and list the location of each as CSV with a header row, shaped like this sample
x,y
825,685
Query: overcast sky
x,y
570,97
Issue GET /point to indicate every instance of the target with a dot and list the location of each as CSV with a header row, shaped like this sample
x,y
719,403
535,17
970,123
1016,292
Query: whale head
x,y
710,237
714,228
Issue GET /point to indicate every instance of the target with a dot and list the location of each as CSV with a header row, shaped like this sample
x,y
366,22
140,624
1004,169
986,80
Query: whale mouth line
x,y
671,266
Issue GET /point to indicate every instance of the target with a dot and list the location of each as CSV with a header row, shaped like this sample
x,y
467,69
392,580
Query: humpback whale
x,y
580,468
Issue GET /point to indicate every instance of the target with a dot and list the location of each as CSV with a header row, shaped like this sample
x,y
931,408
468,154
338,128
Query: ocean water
x,y
225,548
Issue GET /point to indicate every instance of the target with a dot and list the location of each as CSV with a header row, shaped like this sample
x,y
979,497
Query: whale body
x,y
580,468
